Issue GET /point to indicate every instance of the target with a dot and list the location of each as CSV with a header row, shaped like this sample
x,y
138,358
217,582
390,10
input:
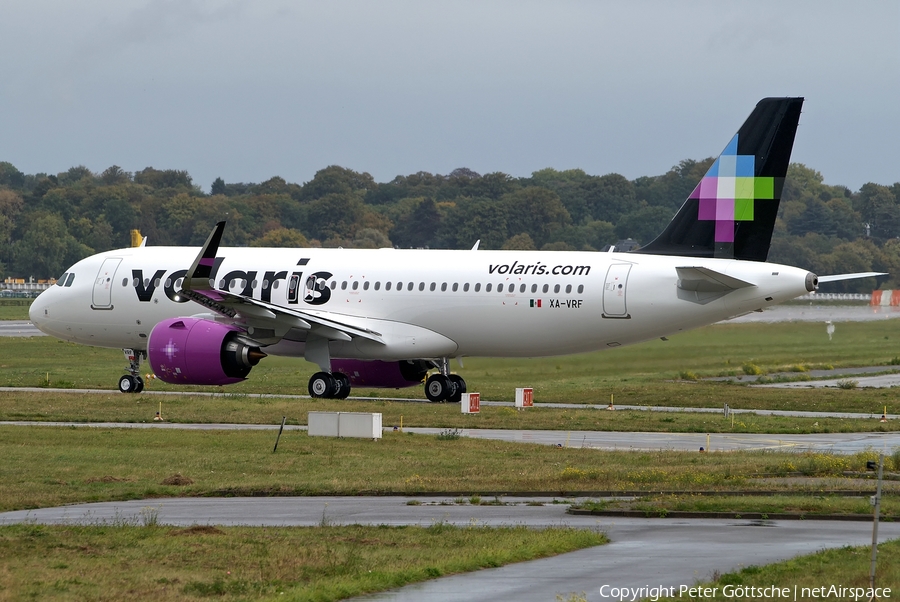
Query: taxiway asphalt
x,y
840,443
19,328
643,552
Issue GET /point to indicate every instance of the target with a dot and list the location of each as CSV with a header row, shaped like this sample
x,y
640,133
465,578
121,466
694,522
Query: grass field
x,y
49,466
640,374
127,562
116,407
14,309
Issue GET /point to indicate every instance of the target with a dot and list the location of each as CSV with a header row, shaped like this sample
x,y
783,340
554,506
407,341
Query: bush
x,y
751,369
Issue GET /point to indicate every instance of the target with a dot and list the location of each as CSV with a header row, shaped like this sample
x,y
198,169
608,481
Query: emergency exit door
x,y
615,291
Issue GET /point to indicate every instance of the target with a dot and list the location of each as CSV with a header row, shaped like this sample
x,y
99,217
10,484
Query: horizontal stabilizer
x,y
705,280
839,277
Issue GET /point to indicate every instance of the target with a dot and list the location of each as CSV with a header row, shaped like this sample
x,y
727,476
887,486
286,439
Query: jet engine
x,y
192,351
381,374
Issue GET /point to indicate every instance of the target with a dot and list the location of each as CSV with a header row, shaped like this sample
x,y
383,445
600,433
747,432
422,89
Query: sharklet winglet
x,y
197,278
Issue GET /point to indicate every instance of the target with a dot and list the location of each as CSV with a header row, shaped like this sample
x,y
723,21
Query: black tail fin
x,y
732,211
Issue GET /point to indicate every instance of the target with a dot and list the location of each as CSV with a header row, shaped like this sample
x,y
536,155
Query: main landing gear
x,y
324,385
132,382
445,386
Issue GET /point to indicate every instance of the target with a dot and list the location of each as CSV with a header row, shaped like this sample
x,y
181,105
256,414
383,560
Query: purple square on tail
x,y
725,231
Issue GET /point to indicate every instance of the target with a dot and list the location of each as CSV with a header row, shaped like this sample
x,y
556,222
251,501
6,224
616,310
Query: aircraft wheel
x,y
439,387
457,380
128,384
140,384
322,385
343,385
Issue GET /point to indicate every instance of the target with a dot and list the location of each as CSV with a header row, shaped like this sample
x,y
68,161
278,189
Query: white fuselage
x,y
438,303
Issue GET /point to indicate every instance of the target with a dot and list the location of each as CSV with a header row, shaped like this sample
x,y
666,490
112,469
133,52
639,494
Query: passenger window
x,y
477,286
355,284
168,282
344,285
409,286
455,287
421,286
466,287
487,287
433,286
546,288
387,285
275,284
254,284
221,283
568,288
556,289
333,284
444,287
156,282
580,288
377,285
124,282
533,288
522,289
499,287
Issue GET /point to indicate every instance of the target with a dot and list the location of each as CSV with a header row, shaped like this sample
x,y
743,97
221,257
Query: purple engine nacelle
x,y
379,374
192,351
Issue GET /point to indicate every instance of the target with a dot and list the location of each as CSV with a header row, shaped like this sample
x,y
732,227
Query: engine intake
x,y
193,351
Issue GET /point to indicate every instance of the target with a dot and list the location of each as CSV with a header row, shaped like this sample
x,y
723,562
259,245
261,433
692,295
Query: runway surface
x,y
840,443
19,328
643,553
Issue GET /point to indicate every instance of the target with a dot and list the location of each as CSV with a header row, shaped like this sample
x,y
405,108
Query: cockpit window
x,y
70,279
62,279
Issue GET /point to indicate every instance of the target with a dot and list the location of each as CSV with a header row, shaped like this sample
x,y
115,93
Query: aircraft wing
x,y
267,323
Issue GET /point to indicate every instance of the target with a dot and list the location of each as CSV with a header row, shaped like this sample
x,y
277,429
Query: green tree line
x,y
48,222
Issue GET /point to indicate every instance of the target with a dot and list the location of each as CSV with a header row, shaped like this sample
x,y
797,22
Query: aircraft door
x,y
102,296
615,290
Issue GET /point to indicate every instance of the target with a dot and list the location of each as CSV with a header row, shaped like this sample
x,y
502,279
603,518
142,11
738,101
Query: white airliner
x,y
384,318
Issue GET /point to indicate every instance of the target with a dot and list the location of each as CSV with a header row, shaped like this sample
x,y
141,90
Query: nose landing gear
x,y
132,382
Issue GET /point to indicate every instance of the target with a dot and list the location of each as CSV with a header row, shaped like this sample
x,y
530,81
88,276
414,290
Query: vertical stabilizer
x,y
731,213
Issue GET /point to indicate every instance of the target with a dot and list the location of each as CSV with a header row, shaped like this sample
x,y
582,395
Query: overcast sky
x,y
249,90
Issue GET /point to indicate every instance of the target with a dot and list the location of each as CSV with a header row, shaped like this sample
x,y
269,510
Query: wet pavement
x,y
19,328
643,553
839,443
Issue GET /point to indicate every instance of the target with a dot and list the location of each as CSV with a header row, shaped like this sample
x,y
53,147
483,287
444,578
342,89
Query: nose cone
x,y
39,312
